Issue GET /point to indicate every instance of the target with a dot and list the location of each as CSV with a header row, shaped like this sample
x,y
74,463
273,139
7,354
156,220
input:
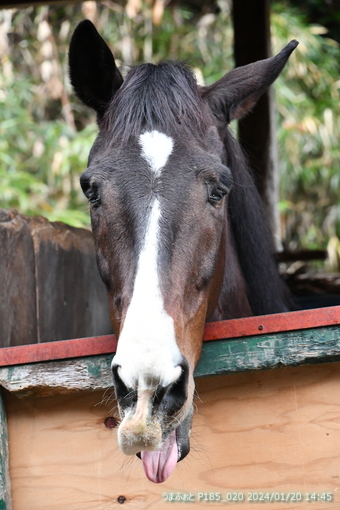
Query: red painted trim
x,y
276,323
235,328
63,349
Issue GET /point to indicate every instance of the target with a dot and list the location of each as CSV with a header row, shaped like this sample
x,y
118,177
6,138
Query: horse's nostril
x,y
171,399
124,395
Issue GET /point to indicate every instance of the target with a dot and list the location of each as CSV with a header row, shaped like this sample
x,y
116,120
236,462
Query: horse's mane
x,y
161,96
267,292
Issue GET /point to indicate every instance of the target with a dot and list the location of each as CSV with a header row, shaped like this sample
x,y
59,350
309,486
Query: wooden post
x,y
257,130
5,492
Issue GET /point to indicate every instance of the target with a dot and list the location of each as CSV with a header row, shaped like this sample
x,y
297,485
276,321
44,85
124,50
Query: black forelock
x,y
163,96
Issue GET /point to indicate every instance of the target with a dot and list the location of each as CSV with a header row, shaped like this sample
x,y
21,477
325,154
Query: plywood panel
x,y
265,432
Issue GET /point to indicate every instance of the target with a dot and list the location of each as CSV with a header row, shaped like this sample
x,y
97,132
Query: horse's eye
x,y
216,195
94,198
90,191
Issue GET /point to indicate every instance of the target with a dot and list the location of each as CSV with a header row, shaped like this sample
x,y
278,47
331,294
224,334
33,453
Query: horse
x,y
180,233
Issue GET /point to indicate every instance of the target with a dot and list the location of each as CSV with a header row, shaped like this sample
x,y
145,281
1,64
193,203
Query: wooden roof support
x,y
257,131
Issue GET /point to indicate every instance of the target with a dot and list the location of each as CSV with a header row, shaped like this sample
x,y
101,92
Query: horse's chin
x,y
159,464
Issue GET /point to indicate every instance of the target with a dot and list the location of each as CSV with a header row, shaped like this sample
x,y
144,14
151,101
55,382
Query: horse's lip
x,y
183,449
182,437
139,454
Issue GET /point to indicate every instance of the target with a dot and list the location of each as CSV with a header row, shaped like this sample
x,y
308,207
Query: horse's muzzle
x,y
164,401
156,422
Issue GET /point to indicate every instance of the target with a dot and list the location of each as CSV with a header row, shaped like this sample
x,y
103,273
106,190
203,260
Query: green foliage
x,y
308,98
40,161
41,155
325,13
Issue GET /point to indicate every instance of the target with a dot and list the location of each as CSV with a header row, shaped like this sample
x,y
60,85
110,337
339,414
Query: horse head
x,y
160,181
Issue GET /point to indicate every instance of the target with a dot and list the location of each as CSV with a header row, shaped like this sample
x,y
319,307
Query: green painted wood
x,y
58,377
261,352
5,493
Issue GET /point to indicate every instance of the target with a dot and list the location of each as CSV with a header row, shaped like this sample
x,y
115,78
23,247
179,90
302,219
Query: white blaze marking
x,y
156,149
147,351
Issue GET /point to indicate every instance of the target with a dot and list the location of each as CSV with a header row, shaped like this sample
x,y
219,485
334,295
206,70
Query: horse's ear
x,y
94,75
237,92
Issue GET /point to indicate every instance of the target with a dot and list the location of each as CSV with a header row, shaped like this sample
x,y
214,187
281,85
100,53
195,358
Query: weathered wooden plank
x,y
71,298
63,349
231,329
18,313
260,352
58,377
274,323
50,286
5,492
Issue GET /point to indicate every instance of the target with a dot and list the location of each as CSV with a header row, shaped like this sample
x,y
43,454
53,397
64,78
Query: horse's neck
x,y
228,295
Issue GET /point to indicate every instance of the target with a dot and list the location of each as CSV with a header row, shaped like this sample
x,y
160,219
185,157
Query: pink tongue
x,y
158,465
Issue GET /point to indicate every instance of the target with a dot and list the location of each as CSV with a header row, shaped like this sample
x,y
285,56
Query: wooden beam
x,y
275,323
257,351
5,491
231,329
257,130
264,352
64,349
